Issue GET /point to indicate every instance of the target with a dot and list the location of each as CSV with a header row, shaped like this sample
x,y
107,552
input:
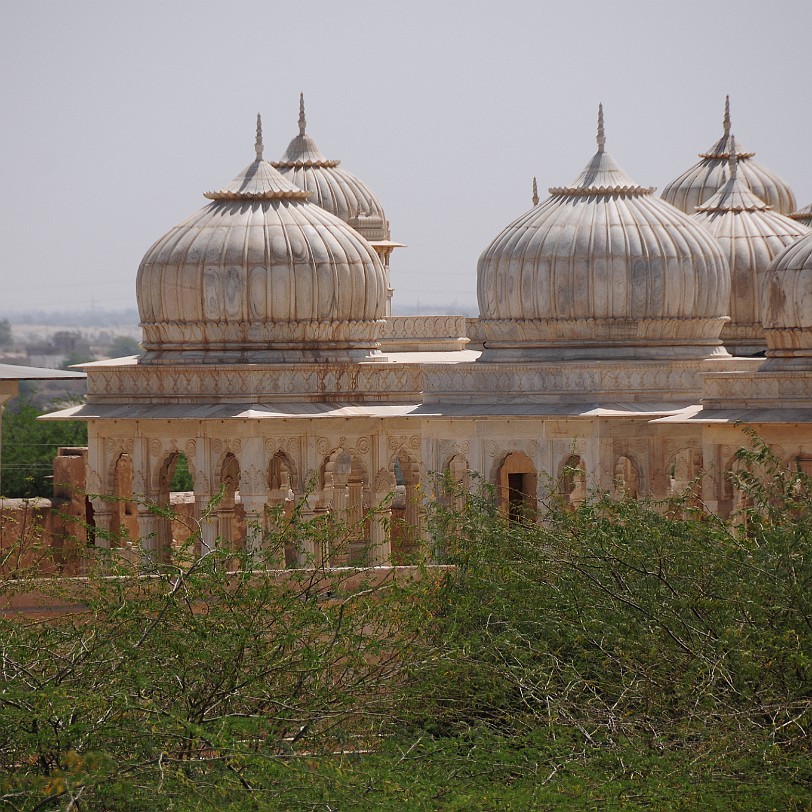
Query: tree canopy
x,y
622,655
30,445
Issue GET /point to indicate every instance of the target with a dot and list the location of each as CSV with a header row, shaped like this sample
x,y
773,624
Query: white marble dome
x,y
603,268
803,216
697,184
332,188
786,305
260,275
751,234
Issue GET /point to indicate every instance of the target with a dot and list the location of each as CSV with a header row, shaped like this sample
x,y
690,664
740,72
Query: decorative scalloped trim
x,y
587,191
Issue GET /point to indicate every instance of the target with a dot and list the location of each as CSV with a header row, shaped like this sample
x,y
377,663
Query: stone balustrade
x,y
423,334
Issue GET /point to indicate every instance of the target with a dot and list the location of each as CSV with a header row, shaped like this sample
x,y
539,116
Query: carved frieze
x,y
256,383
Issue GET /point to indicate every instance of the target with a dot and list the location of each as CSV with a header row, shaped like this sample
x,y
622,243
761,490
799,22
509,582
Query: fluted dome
x,y
787,305
332,188
260,274
751,234
803,216
603,268
693,187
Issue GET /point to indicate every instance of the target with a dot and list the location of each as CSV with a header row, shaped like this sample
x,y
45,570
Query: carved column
x,y
103,521
340,503
380,546
309,553
254,528
207,521
148,532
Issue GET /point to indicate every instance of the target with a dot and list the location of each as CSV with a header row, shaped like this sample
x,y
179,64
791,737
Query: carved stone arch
x,y
123,511
164,470
517,481
626,477
343,462
407,508
457,472
458,468
113,451
279,464
227,474
405,466
685,468
345,493
572,481
163,525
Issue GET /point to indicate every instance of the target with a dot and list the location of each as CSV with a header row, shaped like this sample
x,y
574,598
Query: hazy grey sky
x,y
117,116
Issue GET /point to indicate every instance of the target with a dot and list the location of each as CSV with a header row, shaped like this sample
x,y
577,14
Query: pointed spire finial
x,y
601,133
302,120
726,121
258,144
535,192
733,161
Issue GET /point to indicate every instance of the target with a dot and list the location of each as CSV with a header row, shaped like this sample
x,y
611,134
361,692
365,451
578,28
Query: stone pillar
x,y
309,552
337,554
148,532
225,523
254,527
414,512
207,523
103,520
380,545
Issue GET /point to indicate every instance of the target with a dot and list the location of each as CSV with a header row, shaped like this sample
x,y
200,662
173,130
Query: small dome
x,y
751,234
803,216
334,189
693,187
260,274
787,305
603,268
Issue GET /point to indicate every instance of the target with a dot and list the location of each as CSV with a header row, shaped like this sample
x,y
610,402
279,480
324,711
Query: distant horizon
x,y
31,315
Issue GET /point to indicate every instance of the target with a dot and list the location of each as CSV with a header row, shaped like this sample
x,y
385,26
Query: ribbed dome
x,y
334,189
751,235
803,216
787,304
704,179
260,274
603,269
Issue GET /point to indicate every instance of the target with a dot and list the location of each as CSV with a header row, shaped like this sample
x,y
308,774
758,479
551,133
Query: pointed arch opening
x,y
626,479
405,528
283,490
518,485
124,515
345,492
172,532
228,480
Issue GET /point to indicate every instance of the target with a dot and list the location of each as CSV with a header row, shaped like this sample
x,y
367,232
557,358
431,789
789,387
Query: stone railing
x,y
423,334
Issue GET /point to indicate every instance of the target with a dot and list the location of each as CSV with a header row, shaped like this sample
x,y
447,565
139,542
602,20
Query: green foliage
x,y
624,620
76,357
122,346
29,448
624,655
185,680
182,477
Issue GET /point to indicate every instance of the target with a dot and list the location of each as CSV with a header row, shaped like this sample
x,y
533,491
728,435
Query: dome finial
x,y
302,120
601,133
258,144
535,192
733,161
726,120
